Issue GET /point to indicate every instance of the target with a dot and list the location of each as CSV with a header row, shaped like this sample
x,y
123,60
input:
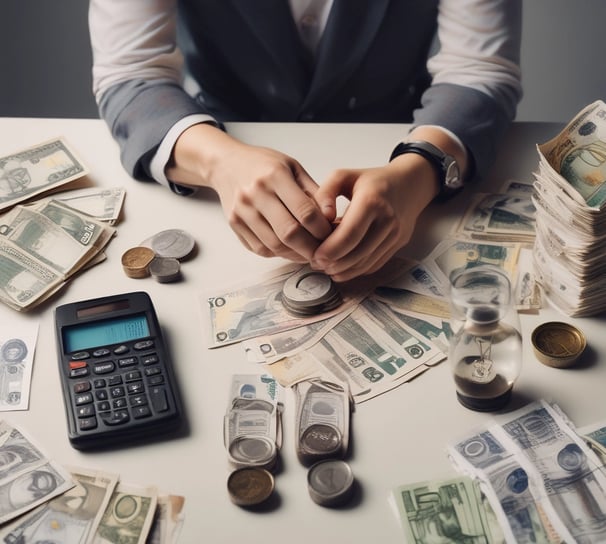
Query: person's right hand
x,y
266,195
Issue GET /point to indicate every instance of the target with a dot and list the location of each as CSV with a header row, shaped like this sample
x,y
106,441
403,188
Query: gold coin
x,y
136,260
558,344
250,486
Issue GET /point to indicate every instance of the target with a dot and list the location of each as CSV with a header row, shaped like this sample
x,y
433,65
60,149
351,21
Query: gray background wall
x,y
45,58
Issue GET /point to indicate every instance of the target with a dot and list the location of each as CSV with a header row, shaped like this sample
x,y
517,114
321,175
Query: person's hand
x,y
266,195
385,203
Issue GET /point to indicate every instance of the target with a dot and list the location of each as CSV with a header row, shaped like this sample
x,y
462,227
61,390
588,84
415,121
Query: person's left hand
x,y
385,203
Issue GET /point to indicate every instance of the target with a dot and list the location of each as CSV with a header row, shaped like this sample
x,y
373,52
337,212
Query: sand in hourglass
x,y
482,396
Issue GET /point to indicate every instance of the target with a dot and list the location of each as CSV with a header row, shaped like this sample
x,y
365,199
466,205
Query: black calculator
x,y
117,379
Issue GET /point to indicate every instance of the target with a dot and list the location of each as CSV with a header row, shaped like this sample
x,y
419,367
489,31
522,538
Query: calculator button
x,y
144,344
141,411
149,359
78,372
138,400
98,383
101,394
156,380
115,418
81,387
115,380
84,398
80,355
127,361
132,376
103,406
87,423
101,352
158,399
135,388
152,371
85,411
121,350
119,403
116,392
104,368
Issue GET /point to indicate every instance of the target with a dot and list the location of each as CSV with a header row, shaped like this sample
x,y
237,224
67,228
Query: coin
x,y
173,243
558,344
253,451
250,486
330,482
165,269
136,260
309,292
320,439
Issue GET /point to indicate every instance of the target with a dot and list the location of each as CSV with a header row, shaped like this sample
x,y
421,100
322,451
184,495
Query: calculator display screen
x,y
105,332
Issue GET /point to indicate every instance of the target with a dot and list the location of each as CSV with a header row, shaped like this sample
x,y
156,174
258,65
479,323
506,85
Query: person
x,y
168,75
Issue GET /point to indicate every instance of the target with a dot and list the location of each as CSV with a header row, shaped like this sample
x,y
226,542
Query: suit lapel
x,y
351,27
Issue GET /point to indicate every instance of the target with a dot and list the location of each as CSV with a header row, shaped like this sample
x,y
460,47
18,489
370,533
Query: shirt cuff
x,y
162,156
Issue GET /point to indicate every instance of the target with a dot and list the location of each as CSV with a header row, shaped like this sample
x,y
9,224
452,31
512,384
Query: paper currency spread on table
x,y
42,501
528,477
48,239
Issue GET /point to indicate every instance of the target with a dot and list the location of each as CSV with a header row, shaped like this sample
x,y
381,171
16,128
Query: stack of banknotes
x,y
42,501
45,241
570,199
530,477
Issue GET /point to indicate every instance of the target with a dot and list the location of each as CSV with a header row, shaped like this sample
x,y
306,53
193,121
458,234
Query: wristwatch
x,y
449,175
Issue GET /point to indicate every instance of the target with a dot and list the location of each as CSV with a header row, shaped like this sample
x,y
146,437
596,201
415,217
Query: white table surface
x,y
398,438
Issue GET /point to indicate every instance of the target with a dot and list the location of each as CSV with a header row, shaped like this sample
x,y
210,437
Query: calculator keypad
x,y
116,384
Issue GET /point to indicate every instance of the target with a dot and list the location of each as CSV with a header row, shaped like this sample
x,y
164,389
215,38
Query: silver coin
x,y
330,482
173,243
320,439
252,451
165,269
308,286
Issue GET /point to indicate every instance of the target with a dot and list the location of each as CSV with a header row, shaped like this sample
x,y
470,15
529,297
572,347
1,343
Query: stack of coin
x,y
308,292
159,256
330,482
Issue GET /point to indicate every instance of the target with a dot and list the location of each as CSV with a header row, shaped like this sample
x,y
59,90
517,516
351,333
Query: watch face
x,y
452,177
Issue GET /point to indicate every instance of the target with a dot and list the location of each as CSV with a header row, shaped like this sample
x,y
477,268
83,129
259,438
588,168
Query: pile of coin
x,y
309,292
159,256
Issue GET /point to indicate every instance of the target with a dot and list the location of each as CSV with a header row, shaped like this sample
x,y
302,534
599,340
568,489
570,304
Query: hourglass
x,y
485,351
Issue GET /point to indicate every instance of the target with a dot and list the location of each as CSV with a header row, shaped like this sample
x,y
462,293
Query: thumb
x,y
339,183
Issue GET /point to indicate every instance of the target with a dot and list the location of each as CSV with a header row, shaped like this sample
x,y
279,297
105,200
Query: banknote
x,y
168,520
372,350
595,436
71,517
498,217
453,510
41,246
578,155
129,515
512,489
570,471
102,204
36,170
18,338
257,310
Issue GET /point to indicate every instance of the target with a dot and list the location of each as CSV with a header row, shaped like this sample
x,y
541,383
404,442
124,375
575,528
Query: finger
x,y
301,203
339,183
260,238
